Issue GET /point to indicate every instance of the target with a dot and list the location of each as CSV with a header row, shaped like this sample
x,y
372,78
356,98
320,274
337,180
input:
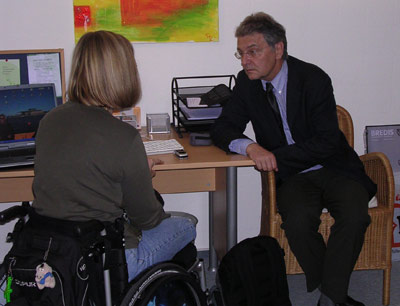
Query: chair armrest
x,y
378,168
268,202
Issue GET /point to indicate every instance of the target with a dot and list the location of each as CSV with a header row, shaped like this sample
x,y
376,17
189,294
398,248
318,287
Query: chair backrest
x,y
345,124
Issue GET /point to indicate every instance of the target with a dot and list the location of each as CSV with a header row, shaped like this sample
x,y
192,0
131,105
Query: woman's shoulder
x,y
64,108
91,118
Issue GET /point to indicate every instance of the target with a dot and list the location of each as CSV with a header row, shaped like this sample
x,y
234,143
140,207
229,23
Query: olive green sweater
x,y
90,165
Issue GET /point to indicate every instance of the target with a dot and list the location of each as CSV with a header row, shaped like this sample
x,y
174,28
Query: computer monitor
x,y
21,109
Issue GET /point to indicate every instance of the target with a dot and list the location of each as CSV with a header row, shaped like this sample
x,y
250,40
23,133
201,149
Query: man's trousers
x,y
301,199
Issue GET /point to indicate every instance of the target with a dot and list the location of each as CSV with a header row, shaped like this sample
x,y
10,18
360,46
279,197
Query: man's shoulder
x,y
304,68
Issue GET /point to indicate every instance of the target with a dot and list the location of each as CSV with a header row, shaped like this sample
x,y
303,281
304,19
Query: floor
x,y
365,286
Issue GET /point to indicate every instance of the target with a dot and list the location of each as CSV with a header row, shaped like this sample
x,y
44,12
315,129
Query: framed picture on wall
x,y
149,20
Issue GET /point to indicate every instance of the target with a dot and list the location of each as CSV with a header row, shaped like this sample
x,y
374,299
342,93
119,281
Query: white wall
x,y
356,42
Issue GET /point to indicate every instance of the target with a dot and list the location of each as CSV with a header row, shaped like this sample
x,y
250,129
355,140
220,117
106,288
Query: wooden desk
x,y
207,169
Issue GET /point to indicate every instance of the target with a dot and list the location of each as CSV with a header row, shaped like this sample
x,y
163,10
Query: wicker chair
x,y
376,251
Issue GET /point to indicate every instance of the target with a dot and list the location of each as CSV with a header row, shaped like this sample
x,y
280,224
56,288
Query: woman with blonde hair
x,y
90,165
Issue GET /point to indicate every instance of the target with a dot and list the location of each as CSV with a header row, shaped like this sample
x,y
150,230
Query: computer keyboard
x,y
161,146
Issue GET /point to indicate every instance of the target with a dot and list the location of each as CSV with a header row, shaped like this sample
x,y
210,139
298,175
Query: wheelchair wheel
x,y
3,283
165,284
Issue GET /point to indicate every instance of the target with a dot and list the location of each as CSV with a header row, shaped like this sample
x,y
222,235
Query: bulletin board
x,y
34,67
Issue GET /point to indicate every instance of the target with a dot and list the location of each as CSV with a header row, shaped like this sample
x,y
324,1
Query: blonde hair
x,y
104,72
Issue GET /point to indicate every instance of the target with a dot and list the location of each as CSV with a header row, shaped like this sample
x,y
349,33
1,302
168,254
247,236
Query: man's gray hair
x,y
264,24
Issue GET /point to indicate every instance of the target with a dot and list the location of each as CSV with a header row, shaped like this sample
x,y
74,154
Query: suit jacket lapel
x,y
293,94
263,111
260,100
259,92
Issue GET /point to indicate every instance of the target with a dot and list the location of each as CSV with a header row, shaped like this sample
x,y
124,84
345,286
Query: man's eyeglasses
x,y
252,53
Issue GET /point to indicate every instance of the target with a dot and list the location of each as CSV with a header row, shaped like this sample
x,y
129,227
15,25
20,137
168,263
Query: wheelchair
x,y
58,262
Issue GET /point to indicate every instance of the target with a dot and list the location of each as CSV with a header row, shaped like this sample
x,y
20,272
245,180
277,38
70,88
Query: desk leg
x,y
224,210
231,206
218,213
212,256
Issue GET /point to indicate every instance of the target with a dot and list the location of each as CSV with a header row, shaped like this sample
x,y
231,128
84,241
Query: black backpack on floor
x,y
253,273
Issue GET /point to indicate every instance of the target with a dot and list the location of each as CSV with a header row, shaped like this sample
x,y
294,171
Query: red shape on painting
x,y
82,15
153,11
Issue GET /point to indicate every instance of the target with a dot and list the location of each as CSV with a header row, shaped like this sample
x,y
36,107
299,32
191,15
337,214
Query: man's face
x,y
259,60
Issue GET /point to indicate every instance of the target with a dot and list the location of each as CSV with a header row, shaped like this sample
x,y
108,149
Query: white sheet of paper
x,y
45,68
194,102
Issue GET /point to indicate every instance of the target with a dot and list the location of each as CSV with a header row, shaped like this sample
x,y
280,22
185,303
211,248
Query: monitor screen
x,y
21,109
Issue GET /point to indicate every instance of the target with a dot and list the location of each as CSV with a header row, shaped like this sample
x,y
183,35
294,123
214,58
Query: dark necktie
x,y
274,105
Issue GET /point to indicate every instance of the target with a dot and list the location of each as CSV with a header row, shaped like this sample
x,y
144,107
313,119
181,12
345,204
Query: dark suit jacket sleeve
x,y
231,123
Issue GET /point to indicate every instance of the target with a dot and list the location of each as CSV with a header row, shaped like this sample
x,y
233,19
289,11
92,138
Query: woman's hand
x,y
152,162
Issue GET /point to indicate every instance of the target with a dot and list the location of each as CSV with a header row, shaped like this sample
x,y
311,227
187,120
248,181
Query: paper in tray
x,y
195,102
200,113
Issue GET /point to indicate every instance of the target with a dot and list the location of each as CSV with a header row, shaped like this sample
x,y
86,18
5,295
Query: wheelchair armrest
x,y
13,212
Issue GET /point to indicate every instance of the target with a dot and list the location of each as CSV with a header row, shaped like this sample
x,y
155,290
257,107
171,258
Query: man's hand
x,y
152,162
264,159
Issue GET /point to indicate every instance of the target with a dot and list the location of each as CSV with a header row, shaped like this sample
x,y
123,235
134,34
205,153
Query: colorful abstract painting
x,y
149,20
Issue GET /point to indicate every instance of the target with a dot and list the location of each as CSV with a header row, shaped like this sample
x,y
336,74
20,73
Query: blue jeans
x,y
160,244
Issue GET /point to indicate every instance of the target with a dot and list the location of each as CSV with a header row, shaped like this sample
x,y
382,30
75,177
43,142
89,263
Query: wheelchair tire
x,y
165,284
3,283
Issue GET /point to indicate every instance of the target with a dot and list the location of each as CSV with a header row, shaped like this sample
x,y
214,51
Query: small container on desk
x,y
158,123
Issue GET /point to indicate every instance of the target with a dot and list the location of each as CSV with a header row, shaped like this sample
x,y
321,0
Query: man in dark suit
x,y
292,108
